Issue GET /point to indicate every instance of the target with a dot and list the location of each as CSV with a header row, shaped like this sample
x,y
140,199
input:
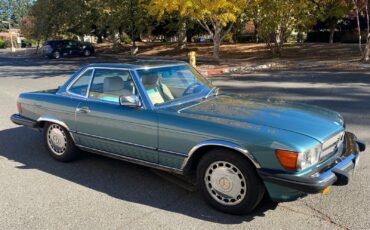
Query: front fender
x,y
217,143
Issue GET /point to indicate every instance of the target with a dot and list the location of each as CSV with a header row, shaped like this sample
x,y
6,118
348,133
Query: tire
x,y
87,53
229,182
56,55
59,143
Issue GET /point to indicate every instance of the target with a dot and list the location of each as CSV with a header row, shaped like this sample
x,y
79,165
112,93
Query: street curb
x,y
238,69
213,71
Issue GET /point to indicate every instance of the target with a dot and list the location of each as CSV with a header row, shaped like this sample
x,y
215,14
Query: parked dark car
x,y
62,48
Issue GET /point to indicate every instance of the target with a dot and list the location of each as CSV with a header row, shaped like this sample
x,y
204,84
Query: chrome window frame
x,y
130,72
76,79
153,107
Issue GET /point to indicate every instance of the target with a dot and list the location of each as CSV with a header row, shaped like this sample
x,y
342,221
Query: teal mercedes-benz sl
x,y
164,114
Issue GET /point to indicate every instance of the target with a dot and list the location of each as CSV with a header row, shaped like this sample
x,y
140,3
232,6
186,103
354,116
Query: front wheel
x,y
229,182
56,55
59,143
87,53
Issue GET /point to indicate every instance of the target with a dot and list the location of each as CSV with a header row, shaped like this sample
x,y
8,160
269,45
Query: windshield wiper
x,y
211,92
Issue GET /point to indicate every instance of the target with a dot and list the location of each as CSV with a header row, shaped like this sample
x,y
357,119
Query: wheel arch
x,y
191,161
43,119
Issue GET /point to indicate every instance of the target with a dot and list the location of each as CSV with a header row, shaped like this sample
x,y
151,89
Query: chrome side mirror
x,y
130,101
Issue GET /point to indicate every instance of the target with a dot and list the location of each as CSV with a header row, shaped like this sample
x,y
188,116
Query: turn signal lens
x,y
19,107
287,159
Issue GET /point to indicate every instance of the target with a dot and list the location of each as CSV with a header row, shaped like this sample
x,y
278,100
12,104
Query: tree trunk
x,y
216,46
38,46
366,57
181,42
331,39
217,40
332,31
100,38
358,27
189,36
279,41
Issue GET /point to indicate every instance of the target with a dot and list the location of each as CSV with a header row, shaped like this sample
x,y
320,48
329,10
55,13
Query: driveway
x,y
95,192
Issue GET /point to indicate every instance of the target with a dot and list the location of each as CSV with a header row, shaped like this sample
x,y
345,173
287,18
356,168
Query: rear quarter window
x,y
81,86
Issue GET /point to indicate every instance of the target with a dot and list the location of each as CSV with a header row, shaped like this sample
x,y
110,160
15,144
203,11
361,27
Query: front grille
x,y
332,144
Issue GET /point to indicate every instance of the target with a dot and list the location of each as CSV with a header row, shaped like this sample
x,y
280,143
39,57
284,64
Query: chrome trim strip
x,y
140,87
130,159
331,136
90,83
117,141
172,152
159,66
131,144
221,143
190,106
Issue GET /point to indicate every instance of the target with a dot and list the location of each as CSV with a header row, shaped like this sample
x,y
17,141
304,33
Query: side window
x,y
82,84
110,84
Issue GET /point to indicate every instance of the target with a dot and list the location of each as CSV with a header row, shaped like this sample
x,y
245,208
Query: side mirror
x,y
131,101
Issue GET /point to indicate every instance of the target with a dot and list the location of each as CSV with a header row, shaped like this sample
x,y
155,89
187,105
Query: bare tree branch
x,y
227,31
205,26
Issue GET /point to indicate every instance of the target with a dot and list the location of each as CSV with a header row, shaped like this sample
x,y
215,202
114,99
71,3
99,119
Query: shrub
x,y
2,44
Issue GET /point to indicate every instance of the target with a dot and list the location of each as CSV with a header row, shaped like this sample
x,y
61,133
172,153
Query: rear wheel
x,y
229,182
56,55
59,143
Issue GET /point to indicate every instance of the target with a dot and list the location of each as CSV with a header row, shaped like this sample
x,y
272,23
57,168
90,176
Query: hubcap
x,y
57,139
225,183
87,53
57,55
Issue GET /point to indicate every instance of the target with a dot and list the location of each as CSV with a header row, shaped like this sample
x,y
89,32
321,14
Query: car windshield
x,y
174,84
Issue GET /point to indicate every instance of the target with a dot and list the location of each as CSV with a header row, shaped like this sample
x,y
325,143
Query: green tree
x,y
215,16
13,11
277,19
332,11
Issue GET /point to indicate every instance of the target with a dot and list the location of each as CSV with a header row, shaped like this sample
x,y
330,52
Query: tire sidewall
x,y
56,55
71,152
255,188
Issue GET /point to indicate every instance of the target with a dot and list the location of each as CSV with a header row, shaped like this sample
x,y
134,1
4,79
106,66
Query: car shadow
x,y
115,178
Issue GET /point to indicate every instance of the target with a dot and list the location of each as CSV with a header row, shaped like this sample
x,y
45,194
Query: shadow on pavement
x,y
115,178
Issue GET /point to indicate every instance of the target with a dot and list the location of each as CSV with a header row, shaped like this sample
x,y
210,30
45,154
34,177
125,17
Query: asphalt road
x,y
95,192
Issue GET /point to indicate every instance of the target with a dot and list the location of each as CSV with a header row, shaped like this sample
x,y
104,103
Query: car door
x,y
104,125
76,48
68,49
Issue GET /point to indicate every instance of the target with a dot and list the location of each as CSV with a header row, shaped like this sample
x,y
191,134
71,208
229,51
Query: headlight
x,y
298,161
308,158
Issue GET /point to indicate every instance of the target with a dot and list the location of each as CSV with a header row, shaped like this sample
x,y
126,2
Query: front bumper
x,y
334,172
20,120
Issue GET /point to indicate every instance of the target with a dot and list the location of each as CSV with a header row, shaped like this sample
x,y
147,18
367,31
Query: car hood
x,y
312,121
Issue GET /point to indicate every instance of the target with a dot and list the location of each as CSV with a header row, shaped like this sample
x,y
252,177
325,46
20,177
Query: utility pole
x,y
11,36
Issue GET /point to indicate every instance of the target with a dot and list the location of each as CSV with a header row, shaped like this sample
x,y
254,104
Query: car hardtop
x,y
137,64
129,65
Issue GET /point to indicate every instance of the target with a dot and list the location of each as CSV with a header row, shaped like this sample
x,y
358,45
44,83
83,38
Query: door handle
x,y
83,109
